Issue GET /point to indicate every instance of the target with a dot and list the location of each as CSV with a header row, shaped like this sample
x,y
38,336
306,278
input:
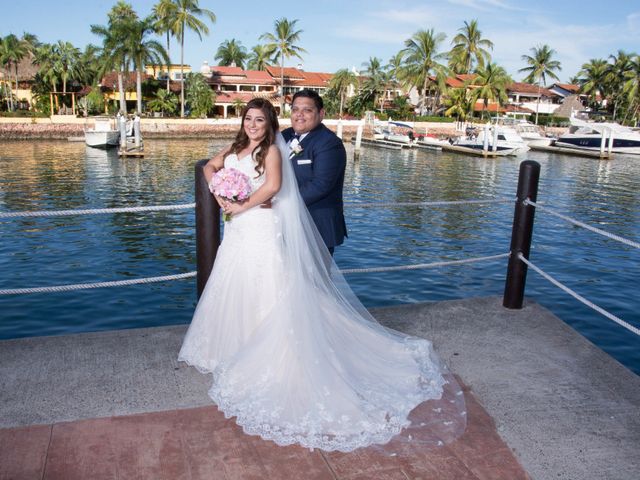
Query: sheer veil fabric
x,y
314,368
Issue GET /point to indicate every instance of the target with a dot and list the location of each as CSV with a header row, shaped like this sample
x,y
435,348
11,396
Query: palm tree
x,y
469,46
115,52
632,87
163,12
422,61
13,51
45,58
283,45
341,81
459,104
238,105
491,85
259,58
144,50
163,102
616,76
67,57
540,66
200,97
593,79
186,16
376,80
231,53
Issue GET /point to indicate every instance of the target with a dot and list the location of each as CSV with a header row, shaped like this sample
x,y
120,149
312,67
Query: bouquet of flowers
x,y
231,184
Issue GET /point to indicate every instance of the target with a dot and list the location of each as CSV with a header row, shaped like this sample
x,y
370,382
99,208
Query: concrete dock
x,y
542,401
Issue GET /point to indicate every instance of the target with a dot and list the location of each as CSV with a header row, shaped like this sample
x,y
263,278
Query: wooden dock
x,y
474,151
572,151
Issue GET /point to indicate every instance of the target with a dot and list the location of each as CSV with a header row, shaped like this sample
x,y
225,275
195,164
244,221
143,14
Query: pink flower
x,y
230,184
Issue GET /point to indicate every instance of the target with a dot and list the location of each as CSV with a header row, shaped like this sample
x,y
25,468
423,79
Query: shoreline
x,y
60,127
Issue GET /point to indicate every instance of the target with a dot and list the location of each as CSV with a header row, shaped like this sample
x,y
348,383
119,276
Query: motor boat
x,y
496,138
398,132
529,132
103,134
597,136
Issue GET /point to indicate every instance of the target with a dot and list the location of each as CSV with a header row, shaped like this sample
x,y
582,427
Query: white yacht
x,y
103,134
529,132
505,139
584,135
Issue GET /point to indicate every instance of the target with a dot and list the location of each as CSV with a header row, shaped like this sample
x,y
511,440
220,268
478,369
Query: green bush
x,y
552,121
23,114
434,118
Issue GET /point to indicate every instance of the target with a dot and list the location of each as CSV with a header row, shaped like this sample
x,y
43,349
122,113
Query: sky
x,y
346,33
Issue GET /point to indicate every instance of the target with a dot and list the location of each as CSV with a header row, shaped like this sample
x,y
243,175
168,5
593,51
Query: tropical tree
x,y
593,79
186,15
67,58
491,83
45,58
341,81
469,48
422,62
165,102
144,50
12,51
632,87
540,66
459,103
163,13
616,78
283,45
200,97
376,80
231,52
238,105
259,58
115,52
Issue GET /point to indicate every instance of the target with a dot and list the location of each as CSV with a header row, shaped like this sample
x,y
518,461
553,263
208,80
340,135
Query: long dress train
x,y
294,355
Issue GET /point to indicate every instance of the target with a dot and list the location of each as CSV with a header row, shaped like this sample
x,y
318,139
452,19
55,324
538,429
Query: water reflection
x,y
59,175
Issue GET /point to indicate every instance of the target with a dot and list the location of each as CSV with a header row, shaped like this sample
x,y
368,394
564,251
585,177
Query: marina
x,y
141,245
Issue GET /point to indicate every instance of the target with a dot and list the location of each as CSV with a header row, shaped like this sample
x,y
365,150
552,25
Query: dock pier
x,y
542,401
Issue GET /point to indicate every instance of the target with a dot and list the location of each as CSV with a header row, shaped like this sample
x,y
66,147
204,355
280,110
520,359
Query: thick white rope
x,y
158,208
426,204
82,286
56,213
423,265
612,236
136,281
580,298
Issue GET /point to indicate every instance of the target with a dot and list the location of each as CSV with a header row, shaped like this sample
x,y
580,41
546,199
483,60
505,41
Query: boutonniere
x,y
296,147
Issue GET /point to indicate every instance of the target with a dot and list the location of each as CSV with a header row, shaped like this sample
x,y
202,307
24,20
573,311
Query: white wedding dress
x,y
294,355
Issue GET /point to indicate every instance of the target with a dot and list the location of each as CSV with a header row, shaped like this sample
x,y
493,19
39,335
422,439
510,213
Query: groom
x,y
319,160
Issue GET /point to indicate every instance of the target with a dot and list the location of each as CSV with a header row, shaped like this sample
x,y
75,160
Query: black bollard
x,y
521,234
207,227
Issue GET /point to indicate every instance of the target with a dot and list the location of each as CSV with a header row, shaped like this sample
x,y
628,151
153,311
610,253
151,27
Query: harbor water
x,y
53,175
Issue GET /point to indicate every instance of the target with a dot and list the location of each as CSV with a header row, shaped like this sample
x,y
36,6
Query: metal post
x,y
207,227
521,234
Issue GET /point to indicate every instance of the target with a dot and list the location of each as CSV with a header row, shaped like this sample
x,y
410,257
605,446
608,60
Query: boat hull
x,y
102,139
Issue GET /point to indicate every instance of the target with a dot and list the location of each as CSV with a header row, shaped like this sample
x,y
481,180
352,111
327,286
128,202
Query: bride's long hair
x,y
242,140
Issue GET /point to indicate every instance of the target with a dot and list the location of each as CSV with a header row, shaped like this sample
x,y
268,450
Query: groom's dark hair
x,y
312,94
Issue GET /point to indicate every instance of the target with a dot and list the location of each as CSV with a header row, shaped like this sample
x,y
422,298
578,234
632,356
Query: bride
x,y
295,356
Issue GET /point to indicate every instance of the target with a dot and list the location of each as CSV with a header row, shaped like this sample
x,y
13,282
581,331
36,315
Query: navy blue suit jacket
x,y
319,170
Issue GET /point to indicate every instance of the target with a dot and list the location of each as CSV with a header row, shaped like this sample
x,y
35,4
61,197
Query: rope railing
x,y
180,276
84,286
96,211
578,223
579,297
424,265
159,208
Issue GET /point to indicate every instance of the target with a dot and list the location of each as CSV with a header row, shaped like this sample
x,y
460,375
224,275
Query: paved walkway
x,y
118,405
